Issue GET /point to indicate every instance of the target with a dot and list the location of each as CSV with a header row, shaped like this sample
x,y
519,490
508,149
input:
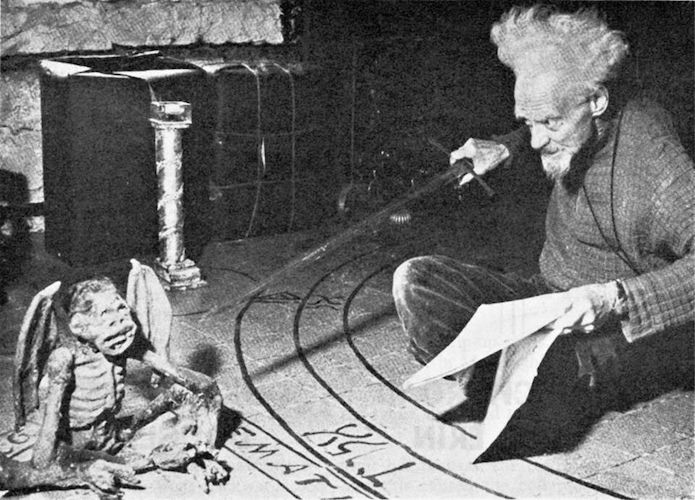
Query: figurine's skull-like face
x,y
106,321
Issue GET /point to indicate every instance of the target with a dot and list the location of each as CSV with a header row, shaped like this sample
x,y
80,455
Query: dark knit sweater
x,y
643,204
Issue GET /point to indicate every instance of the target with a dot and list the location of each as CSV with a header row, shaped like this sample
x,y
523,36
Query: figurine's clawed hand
x,y
106,477
199,459
174,455
207,471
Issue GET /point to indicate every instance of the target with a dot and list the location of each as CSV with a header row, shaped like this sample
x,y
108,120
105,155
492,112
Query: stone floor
x,y
312,369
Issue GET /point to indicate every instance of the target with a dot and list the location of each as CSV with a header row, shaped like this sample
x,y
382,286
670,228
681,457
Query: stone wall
x,y
45,26
32,29
20,128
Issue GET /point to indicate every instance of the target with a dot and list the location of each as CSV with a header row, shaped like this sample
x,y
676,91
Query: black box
x,y
100,185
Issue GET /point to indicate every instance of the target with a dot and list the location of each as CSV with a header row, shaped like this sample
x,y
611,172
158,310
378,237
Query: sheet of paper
x,y
492,328
518,367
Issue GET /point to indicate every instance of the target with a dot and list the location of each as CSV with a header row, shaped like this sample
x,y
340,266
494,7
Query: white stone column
x,y
169,118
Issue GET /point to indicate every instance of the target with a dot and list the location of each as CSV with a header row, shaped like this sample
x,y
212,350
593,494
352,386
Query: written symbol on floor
x,y
344,441
315,301
305,478
295,472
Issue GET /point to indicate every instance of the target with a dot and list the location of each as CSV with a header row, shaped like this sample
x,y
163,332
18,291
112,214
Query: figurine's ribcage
x,y
99,389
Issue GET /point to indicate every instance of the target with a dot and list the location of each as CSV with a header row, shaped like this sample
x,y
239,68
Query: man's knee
x,y
418,270
405,276
425,277
415,285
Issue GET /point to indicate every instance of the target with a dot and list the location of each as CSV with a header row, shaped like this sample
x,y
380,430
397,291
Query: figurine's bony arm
x,y
204,387
195,382
59,370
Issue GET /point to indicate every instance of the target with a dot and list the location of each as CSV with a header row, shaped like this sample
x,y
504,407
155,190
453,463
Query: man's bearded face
x,y
560,122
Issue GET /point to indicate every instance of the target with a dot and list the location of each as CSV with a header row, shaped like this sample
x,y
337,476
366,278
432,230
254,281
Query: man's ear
x,y
599,101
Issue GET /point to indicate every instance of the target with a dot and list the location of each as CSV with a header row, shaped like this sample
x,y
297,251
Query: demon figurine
x,y
69,385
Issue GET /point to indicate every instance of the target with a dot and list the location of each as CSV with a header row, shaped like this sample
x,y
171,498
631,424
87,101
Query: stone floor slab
x,y
639,478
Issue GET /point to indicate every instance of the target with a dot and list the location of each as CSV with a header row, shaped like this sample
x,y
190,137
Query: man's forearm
x,y
659,300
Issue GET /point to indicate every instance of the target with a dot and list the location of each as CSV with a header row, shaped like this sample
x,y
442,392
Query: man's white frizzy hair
x,y
535,39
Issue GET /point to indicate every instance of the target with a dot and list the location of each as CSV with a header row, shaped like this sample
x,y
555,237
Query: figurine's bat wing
x,y
37,337
150,303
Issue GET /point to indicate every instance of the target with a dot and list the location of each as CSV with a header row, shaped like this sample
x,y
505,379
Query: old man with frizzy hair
x,y
620,222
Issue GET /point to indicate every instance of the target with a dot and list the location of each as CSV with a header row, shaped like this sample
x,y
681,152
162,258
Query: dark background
x,y
399,72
